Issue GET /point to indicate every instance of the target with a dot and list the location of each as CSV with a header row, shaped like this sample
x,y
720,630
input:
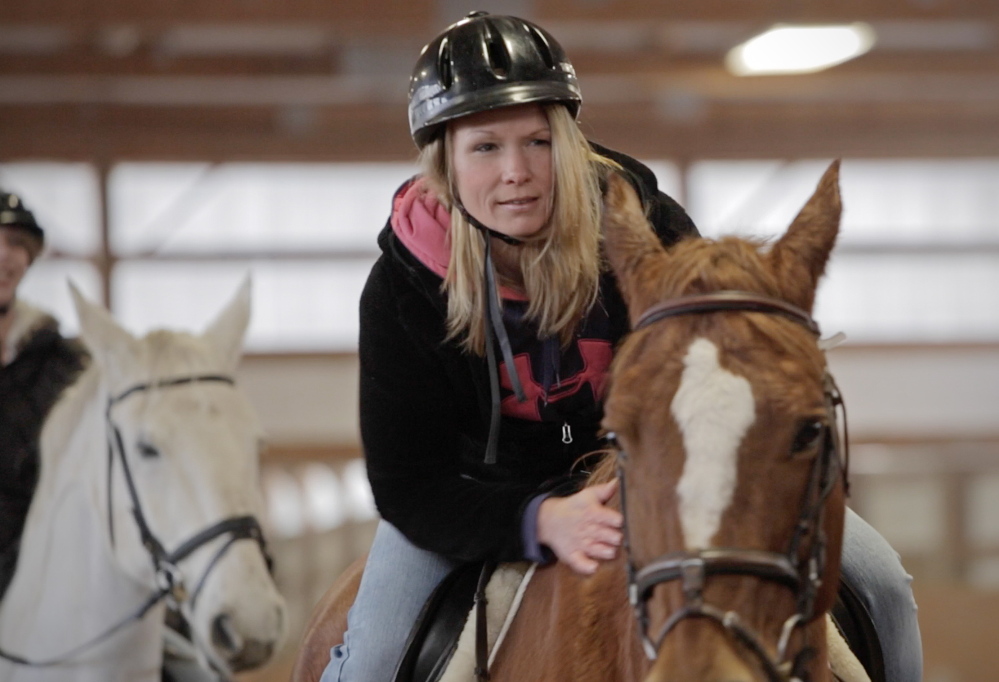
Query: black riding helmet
x,y
485,62
14,214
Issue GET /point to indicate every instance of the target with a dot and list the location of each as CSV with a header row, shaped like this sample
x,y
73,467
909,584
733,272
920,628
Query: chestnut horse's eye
x,y
808,436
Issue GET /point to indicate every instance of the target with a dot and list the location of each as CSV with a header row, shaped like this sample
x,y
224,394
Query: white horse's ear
x,y
226,333
98,330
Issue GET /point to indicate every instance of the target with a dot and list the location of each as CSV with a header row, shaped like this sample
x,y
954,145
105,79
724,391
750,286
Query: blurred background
x,y
171,147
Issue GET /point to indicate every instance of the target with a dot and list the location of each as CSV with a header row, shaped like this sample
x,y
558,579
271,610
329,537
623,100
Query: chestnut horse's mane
x,y
604,470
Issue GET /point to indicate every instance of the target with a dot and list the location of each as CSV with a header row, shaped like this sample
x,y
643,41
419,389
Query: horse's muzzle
x,y
240,653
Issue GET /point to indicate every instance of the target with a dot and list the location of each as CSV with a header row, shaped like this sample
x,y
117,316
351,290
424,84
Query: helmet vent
x,y
496,51
544,49
444,64
485,62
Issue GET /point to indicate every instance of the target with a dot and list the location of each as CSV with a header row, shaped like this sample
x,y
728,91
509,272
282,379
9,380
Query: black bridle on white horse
x,y
692,569
170,585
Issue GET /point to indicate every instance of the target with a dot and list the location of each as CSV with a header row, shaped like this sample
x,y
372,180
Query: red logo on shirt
x,y
596,355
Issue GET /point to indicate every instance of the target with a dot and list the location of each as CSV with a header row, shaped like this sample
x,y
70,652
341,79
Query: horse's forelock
x,y
706,265
168,354
171,353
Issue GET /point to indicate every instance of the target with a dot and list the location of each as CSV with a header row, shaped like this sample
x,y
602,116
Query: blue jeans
x,y
872,568
399,578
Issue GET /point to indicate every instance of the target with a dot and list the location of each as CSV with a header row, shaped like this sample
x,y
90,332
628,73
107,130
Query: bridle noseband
x,y
170,584
692,569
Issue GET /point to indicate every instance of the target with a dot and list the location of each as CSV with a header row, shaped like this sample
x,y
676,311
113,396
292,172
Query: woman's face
x,y
15,257
502,164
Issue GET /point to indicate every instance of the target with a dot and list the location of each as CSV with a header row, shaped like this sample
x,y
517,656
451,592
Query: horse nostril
x,y
253,655
240,653
225,637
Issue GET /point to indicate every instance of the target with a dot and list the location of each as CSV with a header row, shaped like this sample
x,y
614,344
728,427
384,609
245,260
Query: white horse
x,y
148,494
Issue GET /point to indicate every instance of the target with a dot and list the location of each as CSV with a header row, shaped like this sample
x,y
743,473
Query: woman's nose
x,y
516,169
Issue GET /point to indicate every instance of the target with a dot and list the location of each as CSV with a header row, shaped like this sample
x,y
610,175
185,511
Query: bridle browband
x,y
726,301
170,585
803,575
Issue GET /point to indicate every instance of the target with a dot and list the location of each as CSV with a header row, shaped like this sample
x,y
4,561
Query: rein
x,y
692,569
170,585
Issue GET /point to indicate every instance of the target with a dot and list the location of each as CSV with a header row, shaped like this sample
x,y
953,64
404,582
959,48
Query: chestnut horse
x,y
721,417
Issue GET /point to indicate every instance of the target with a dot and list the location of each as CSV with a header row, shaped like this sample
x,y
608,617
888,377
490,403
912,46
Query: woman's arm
x,y
410,431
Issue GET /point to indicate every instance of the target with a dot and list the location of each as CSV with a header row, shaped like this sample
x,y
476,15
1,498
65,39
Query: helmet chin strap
x,y
482,228
498,330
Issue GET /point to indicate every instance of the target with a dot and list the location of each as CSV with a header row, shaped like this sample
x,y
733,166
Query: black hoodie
x,y
425,403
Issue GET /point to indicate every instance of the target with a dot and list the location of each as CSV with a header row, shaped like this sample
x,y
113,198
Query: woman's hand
x,y
580,529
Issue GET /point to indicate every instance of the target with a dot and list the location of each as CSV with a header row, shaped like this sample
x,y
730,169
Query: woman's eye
x,y
485,147
148,451
808,436
542,142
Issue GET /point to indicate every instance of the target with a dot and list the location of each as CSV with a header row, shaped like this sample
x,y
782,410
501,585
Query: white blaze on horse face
x,y
714,409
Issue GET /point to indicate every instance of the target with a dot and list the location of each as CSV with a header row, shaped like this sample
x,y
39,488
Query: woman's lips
x,y
519,204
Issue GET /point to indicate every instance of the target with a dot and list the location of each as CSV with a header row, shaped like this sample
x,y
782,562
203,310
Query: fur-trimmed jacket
x,y
425,403
40,365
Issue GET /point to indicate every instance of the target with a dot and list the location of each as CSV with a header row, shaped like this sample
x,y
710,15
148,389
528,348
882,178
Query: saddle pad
x,y
843,663
503,594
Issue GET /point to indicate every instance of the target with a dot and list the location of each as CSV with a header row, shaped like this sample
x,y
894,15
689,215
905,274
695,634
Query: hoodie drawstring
x,y
499,331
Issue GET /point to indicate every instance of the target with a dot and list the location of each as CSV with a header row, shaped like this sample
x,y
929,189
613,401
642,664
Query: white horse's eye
x,y
147,450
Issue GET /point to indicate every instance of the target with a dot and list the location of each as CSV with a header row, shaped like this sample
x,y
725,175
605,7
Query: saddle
x,y
434,637
855,624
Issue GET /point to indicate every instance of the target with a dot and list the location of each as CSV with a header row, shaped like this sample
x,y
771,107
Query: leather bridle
x,y
170,584
803,574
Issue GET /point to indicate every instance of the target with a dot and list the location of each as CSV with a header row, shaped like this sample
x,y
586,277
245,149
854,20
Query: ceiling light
x,y
799,49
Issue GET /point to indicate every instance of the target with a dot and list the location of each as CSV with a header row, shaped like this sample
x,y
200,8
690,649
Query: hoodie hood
x,y
423,224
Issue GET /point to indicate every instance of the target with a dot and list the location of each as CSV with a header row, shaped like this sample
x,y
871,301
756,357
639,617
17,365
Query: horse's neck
x,y
67,588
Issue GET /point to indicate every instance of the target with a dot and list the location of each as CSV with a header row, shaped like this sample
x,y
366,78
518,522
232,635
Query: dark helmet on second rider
x,y
485,62
14,214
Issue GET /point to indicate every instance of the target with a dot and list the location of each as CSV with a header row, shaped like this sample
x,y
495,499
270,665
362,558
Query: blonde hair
x,y
561,267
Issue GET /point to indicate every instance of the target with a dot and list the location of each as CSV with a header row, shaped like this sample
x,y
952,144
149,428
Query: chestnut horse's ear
x,y
630,243
800,256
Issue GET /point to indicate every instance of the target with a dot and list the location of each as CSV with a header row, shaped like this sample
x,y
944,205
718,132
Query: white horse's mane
x,y
66,416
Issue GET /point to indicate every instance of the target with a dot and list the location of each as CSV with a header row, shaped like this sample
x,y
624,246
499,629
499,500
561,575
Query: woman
x,y
36,364
471,456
